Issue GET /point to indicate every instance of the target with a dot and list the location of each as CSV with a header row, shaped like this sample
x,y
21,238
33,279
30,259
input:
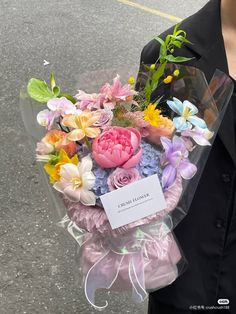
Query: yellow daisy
x,y
152,115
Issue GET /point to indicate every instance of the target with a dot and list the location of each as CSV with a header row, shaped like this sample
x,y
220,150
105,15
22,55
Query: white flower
x,y
77,181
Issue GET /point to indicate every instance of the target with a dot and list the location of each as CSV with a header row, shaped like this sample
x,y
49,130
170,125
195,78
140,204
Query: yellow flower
x,y
152,67
176,73
82,124
152,115
131,80
168,79
53,170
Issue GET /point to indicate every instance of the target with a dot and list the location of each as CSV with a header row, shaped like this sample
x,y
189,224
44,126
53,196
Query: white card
x,y
134,201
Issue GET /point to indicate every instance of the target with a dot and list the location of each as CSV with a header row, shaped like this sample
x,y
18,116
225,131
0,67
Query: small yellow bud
x,y
131,80
168,79
176,73
152,67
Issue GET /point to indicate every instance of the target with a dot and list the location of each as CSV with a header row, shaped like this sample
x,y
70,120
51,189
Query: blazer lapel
x,y
218,61
208,45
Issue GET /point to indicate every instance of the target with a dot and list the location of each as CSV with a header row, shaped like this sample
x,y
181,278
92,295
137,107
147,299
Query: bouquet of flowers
x,y
126,165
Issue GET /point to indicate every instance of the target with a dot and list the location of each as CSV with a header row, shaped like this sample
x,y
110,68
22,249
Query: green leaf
x,y
171,58
39,90
159,72
182,39
181,32
177,43
56,91
167,40
162,52
68,96
53,81
161,41
176,28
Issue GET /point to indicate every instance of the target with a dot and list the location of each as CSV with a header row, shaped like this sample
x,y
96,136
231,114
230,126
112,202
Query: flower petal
x,y
167,144
88,179
201,140
176,105
87,198
103,161
135,138
179,145
175,158
53,104
69,171
197,121
46,118
180,123
62,105
75,135
70,120
187,170
60,186
73,194
193,109
168,176
85,165
133,161
92,132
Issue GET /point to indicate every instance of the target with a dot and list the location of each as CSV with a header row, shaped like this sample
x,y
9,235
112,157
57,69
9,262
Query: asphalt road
x,y
86,42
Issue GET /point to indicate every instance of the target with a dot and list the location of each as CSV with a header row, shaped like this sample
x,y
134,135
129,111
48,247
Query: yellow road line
x,y
150,10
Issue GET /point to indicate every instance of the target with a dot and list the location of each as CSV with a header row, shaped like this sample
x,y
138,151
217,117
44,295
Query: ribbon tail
x,y
137,278
102,275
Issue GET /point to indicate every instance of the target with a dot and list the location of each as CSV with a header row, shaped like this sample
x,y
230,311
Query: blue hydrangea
x,y
150,161
100,187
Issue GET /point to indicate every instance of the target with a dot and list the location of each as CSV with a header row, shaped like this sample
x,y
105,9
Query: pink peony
x,y
121,177
117,147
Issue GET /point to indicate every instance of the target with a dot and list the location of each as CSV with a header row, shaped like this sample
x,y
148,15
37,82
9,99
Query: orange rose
x,y
57,139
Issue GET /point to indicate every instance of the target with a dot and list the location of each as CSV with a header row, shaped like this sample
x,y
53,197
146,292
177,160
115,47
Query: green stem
x,y
87,143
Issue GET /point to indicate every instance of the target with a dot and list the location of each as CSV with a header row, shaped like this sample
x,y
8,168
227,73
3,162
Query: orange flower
x,y
57,139
165,128
82,125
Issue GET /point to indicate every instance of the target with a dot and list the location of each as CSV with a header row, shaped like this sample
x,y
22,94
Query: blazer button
x,y
219,224
226,177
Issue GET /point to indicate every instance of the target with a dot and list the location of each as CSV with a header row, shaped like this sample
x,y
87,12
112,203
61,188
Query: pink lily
x,y
116,92
89,101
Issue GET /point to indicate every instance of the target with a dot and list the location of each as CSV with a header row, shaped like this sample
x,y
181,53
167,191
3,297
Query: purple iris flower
x,y
175,160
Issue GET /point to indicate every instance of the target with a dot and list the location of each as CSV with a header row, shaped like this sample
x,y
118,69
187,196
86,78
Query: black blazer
x,y
207,234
